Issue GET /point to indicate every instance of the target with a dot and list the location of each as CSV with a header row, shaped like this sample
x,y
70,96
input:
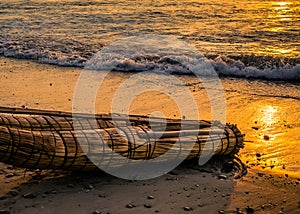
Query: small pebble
x,y
187,209
89,186
13,193
150,197
147,205
70,185
29,195
266,137
130,206
9,175
96,212
222,177
50,192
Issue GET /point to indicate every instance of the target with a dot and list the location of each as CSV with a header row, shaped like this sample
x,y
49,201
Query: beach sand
x,y
270,123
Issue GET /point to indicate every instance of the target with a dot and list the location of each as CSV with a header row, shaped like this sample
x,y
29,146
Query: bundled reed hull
x,y
39,139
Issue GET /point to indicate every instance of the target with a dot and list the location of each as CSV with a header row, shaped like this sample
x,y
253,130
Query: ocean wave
x,y
261,67
49,51
74,53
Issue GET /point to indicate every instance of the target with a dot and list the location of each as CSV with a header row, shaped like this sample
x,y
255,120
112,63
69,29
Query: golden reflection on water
x,y
283,3
279,51
281,11
274,145
268,137
284,51
282,7
281,18
269,115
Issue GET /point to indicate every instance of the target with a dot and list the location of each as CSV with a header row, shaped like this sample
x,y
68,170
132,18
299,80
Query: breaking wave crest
x,y
73,53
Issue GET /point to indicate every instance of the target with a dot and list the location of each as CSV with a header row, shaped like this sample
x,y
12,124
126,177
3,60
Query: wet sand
x,y
270,123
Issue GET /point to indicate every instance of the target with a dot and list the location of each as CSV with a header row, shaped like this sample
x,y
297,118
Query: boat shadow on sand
x,y
189,187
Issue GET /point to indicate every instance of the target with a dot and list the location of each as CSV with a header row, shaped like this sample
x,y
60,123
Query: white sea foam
x,y
237,68
176,62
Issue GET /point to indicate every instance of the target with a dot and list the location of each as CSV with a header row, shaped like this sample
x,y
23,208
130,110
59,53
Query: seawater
x,y
243,38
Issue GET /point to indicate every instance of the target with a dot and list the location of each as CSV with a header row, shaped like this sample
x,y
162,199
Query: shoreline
x,y
42,86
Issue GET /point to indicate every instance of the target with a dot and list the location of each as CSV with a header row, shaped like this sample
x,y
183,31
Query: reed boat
x,y
40,139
